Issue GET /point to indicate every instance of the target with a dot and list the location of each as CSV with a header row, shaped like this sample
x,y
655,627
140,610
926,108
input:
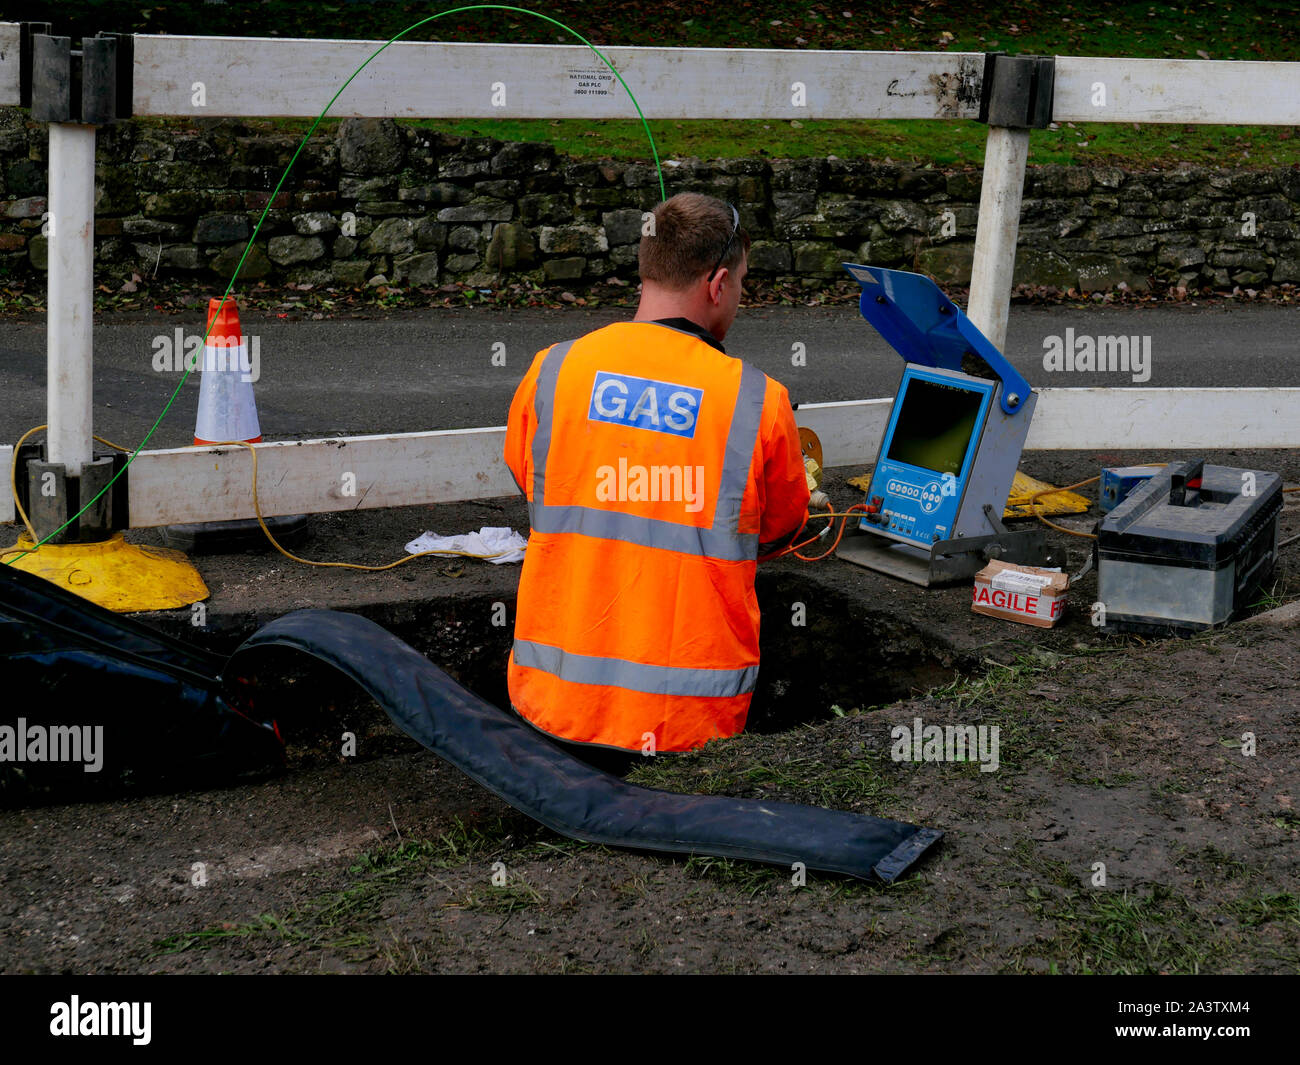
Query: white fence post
x,y
994,265
1016,96
71,290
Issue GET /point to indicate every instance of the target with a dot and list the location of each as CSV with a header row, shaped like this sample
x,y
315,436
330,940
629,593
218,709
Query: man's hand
x,y
781,544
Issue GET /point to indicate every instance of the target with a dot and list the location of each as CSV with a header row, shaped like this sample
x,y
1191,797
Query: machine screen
x,y
934,426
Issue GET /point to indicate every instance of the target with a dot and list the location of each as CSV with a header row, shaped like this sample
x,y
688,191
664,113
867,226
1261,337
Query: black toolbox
x,y
1188,550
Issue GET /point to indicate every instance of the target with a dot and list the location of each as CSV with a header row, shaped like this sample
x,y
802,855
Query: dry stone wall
x,y
374,202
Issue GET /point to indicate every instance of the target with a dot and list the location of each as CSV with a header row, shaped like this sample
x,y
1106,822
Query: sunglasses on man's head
x,y
735,217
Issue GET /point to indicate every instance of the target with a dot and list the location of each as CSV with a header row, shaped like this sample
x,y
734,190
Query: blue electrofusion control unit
x,y
951,446
929,448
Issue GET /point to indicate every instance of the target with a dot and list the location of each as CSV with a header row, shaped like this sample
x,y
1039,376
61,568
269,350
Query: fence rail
x,y
270,77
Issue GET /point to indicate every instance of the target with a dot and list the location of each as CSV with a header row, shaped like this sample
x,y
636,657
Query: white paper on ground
x,y
506,544
1011,580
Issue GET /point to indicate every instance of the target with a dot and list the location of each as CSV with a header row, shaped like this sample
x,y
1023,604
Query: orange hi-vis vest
x,y
654,465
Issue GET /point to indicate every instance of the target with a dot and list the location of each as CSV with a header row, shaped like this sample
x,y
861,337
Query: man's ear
x,y
715,286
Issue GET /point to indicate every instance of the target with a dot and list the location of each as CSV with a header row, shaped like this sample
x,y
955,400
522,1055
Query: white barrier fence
x,y
365,472
194,76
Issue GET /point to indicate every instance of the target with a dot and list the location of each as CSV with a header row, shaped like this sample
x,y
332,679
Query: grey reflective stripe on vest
x,y
620,673
740,451
721,541
634,529
544,410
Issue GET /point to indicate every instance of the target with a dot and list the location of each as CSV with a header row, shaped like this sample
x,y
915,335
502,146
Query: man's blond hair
x,y
689,233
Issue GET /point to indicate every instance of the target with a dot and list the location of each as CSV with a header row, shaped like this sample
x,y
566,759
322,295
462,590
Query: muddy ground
x,y
1117,751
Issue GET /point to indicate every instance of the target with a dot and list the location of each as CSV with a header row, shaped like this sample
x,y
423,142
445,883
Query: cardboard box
x,y
1020,593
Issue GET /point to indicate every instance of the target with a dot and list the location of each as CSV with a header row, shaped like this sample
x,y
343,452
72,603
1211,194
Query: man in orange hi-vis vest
x,y
654,465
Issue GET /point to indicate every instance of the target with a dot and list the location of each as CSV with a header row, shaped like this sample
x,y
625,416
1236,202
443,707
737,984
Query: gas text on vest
x,y
645,404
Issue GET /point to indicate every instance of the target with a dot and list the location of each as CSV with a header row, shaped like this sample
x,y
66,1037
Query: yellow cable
x,y
1038,513
13,481
257,506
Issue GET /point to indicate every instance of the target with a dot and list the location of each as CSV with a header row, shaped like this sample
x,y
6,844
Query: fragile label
x,y
1030,604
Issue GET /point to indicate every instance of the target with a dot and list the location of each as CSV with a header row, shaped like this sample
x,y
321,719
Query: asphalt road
x,y
434,369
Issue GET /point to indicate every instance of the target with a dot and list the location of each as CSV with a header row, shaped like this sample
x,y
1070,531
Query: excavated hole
x,y
844,655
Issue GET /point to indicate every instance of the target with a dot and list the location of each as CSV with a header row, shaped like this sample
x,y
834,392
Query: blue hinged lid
x,y
925,327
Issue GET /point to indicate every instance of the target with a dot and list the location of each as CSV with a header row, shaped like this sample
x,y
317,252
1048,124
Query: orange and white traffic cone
x,y
227,410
